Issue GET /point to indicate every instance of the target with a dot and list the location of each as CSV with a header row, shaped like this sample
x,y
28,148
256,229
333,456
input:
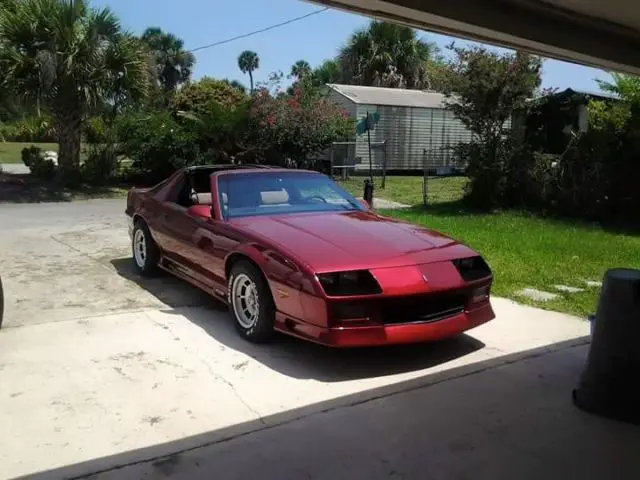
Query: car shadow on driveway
x,y
288,355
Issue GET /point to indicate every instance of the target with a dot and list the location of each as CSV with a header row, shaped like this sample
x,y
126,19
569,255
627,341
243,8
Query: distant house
x,y
550,121
416,127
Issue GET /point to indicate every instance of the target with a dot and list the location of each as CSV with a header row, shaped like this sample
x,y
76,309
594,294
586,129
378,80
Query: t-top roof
x,y
396,97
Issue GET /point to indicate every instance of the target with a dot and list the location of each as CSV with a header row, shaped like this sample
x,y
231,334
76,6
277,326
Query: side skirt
x,y
175,269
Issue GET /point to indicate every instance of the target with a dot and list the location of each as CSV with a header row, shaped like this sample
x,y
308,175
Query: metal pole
x,y
331,161
424,176
384,163
369,144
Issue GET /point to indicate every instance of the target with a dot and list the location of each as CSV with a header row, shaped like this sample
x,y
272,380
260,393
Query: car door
x,y
213,243
180,228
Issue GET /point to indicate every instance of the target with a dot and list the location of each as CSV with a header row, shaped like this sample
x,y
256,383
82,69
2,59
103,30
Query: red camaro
x,y
290,250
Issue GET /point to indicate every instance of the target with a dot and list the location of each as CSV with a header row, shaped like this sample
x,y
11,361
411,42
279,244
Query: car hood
x,y
353,240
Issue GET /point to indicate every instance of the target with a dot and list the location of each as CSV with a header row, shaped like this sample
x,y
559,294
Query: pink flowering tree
x,y
291,127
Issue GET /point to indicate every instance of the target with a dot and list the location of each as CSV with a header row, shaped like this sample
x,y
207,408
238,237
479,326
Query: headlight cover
x,y
344,284
472,268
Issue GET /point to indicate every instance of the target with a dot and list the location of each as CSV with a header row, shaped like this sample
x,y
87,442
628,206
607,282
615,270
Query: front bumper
x,y
378,335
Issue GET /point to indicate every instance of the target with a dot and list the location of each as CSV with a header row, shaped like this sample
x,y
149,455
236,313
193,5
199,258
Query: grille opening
x,y
398,310
342,284
422,308
472,268
350,311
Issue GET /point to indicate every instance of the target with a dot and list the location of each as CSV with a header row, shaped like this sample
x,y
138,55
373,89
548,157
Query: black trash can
x,y
368,192
609,384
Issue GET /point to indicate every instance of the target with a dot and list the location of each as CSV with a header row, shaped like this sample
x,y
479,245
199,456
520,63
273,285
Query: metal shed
x,y
410,121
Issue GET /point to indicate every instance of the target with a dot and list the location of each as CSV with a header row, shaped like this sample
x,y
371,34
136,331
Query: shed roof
x,y
396,97
587,93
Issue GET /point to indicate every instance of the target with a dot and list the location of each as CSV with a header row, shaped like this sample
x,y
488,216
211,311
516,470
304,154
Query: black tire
x,y
1,302
261,331
146,265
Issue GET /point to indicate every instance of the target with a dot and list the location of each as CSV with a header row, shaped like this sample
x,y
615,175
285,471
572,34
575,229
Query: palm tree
x,y
236,84
248,62
300,69
172,64
627,87
72,58
386,54
329,71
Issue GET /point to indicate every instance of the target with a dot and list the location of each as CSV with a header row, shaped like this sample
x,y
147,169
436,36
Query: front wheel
x,y
251,303
146,254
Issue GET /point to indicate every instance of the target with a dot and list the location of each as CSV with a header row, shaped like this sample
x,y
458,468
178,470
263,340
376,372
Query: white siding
x,y
409,131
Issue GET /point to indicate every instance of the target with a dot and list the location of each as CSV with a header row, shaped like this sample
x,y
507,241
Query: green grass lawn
x,y
408,189
10,152
525,251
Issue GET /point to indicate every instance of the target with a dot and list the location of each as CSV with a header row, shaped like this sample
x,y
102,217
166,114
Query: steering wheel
x,y
316,197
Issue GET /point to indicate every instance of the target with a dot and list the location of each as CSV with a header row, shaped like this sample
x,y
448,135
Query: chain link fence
x,y
436,176
443,176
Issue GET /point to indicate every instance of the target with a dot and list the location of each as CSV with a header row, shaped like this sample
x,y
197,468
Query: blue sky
x,y
201,22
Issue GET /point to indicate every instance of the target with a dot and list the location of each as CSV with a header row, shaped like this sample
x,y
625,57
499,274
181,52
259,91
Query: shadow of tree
x,y
23,188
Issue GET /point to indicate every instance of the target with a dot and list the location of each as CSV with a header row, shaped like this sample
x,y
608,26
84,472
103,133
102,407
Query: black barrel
x,y
610,383
368,192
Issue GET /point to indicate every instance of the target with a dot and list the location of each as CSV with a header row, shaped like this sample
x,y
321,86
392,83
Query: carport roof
x,y
592,32
396,97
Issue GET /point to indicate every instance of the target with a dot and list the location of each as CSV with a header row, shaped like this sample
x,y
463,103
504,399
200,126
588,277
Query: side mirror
x,y
199,211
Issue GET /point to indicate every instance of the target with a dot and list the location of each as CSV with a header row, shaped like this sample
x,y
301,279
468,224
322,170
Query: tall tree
x,y
386,55
627,87
483,92
300,69
486,87
172,64
248,62
70,56
606,115
236,84
329,71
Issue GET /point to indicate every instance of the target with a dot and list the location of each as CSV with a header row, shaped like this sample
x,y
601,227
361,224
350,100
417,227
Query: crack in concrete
x,y
215,375
236,393
492,365
77,250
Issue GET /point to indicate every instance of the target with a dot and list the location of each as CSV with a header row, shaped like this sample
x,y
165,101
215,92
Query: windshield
x,y
275,193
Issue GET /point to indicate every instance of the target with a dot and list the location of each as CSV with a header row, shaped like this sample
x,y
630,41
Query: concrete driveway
x,y
14,168
100,369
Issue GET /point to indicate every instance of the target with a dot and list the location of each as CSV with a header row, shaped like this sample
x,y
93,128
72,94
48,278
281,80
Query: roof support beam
x,y
533,26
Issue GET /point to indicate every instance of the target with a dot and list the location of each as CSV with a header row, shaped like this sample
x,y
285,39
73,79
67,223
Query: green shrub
x,y
101,165
487,171
30,129
38,166
194,96
157,144
96,131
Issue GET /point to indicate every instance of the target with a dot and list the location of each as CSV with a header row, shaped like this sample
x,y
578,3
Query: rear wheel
x,y
251,303
146,253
